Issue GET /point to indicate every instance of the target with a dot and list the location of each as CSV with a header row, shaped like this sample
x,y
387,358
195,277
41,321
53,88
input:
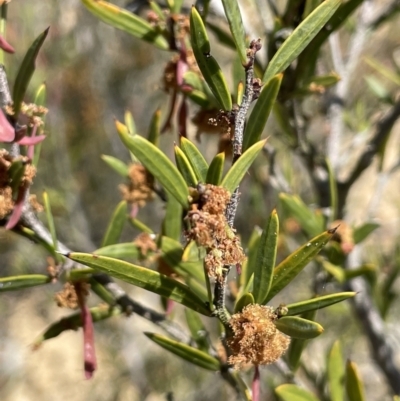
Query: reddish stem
x,y
255,385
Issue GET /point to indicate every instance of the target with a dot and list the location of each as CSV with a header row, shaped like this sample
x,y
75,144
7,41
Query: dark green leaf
x,y
266,256
208,65
298,327
261,111
216,169
15,174
186,352
300,38
13,283
318,303
249,267
116,224
235,174
289,268
172,223
197,329
26,71
157,163
246,299
126,21
143,278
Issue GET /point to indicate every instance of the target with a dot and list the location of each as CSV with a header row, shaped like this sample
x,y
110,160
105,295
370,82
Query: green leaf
x,y
261,111
246,299
172,223
157,9
186,352
266,256
196,159
298,327
383,70
26,71
208,65
223,36
130,122
74,321
335,372
310,221
290,392
332,192
362,232
50,223
354,385
172,255
140,225
235,174
155,128
289,268
234,17
282,118
117,165
197,329
300,38
126,21
216,169
120,251
157,163
317,303
40,100
15,175
143,278
184,167
177,6
116,224
249,267
193,252
297,346
13,283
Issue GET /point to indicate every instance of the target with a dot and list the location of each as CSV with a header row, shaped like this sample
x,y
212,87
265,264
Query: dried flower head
x,y
209,228
140,188
67,297
255,339
145,243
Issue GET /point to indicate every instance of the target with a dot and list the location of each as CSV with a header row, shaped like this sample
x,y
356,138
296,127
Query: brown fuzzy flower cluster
x,y
68,298
146,244
6,199
209,228
140,188
255,339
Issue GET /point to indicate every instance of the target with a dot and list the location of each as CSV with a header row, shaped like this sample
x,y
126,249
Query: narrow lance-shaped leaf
x,y
249,267
40,100
336,372
246,299
25,72
266,256
126,21
197,329
290,392
298,327
116,224
317,303
143,278
140,225
216,169
117,165
13,283
261,111
208,65
196,159
300,38
172,223
155,128
234,17
235,174
354,385
186,352
157,163
289,268
50,220
120,251
184,167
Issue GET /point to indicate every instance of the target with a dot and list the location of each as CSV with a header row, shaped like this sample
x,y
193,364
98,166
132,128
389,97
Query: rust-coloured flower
x,y
255,339
145,242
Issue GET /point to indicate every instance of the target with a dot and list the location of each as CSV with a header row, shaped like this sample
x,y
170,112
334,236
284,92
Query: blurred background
x,y
93,73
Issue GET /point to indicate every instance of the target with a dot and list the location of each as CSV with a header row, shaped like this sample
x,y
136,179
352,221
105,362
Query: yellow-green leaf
x,y
300,38
261,111
196,159
208,65
317,303
289,268
216,169
116,224
117,165
155,128
144,278
246,299
157,163
290,392
298,327
120,251
354,384
336,372
184,167
186,352
126,21
13,283
235,174
266,256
